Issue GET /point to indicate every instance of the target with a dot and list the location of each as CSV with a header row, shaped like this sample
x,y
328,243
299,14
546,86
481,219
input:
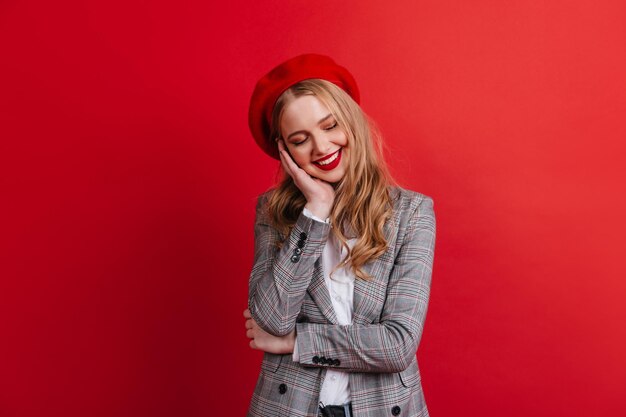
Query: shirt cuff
x,y
295,354
308,213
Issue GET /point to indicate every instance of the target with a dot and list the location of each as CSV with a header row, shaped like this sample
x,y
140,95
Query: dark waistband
x,y
335,410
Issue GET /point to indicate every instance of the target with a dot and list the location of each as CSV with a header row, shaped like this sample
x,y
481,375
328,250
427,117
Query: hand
x,y
319,194
261,340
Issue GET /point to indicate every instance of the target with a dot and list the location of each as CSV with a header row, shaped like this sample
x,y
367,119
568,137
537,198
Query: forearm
x,y
280,277
382,347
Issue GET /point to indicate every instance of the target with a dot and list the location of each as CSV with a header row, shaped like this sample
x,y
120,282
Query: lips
x,y
330,155
331,165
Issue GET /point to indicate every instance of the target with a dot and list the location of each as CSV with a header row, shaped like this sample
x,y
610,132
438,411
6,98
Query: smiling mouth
x,y
329,162
328,159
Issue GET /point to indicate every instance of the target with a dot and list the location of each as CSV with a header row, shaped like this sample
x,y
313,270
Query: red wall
x,y
128,181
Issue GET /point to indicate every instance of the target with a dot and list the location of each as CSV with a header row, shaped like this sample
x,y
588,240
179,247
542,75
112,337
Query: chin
x,y
333,179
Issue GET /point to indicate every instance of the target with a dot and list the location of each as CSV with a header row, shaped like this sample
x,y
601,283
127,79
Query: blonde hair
x,y
363,202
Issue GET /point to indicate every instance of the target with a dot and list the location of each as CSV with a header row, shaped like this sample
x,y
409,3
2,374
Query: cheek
x,y
341,139
298,157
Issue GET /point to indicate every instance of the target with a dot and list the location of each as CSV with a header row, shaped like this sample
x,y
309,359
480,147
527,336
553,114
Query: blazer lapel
x,y
369,296
319,293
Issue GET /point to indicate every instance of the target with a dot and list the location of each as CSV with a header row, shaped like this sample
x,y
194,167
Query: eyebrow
x,y
304,131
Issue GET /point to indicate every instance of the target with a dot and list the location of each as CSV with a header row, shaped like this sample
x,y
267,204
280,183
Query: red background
x,y
128,180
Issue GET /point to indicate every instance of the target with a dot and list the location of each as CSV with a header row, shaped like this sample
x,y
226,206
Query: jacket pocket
x,y
271,362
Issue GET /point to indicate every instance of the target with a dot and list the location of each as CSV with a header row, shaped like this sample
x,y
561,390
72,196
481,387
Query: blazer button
x,y
336,362
316,359
395,410
295,258
297,251
301,243
282,388
302,236
323,360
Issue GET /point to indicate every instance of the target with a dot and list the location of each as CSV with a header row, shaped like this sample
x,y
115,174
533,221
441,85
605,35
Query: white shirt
x,y
336,386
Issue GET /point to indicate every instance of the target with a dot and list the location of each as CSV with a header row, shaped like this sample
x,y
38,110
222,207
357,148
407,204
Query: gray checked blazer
x,y
378,349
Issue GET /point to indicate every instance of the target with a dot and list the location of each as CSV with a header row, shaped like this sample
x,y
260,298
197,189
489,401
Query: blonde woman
x,y
343,256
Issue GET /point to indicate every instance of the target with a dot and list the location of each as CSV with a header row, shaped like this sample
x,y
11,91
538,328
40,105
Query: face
x,y
314,139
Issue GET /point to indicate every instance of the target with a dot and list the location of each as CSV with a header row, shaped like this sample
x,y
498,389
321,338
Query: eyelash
x,y
328,128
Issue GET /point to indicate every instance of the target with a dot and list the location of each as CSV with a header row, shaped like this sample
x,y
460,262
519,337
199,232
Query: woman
x,y
343,257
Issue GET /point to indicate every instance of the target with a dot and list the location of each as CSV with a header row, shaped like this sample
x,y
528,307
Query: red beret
x,y
275,82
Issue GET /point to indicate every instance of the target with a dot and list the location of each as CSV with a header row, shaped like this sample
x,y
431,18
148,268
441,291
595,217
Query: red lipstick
x,y
333,164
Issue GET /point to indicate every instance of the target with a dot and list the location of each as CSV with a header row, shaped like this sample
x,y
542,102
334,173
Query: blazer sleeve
x,y
280,277
391,344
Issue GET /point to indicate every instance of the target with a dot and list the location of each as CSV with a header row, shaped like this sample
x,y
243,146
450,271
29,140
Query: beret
x,y
283,76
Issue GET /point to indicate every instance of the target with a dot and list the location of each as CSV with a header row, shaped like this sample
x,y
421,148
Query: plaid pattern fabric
x,y
378,348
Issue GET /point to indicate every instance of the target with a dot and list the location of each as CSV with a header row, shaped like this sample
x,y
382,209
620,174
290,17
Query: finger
x,y
289,162
246,313
253,344
250,334
291,165
283,160
249,324
298,174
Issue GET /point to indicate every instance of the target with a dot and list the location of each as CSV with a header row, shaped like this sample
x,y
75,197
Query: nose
x,y
321,147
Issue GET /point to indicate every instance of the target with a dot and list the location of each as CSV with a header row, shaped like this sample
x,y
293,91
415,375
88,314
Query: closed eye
x,y
299,143
302,141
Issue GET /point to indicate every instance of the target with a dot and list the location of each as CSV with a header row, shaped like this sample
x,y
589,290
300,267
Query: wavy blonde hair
x,y
362,202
